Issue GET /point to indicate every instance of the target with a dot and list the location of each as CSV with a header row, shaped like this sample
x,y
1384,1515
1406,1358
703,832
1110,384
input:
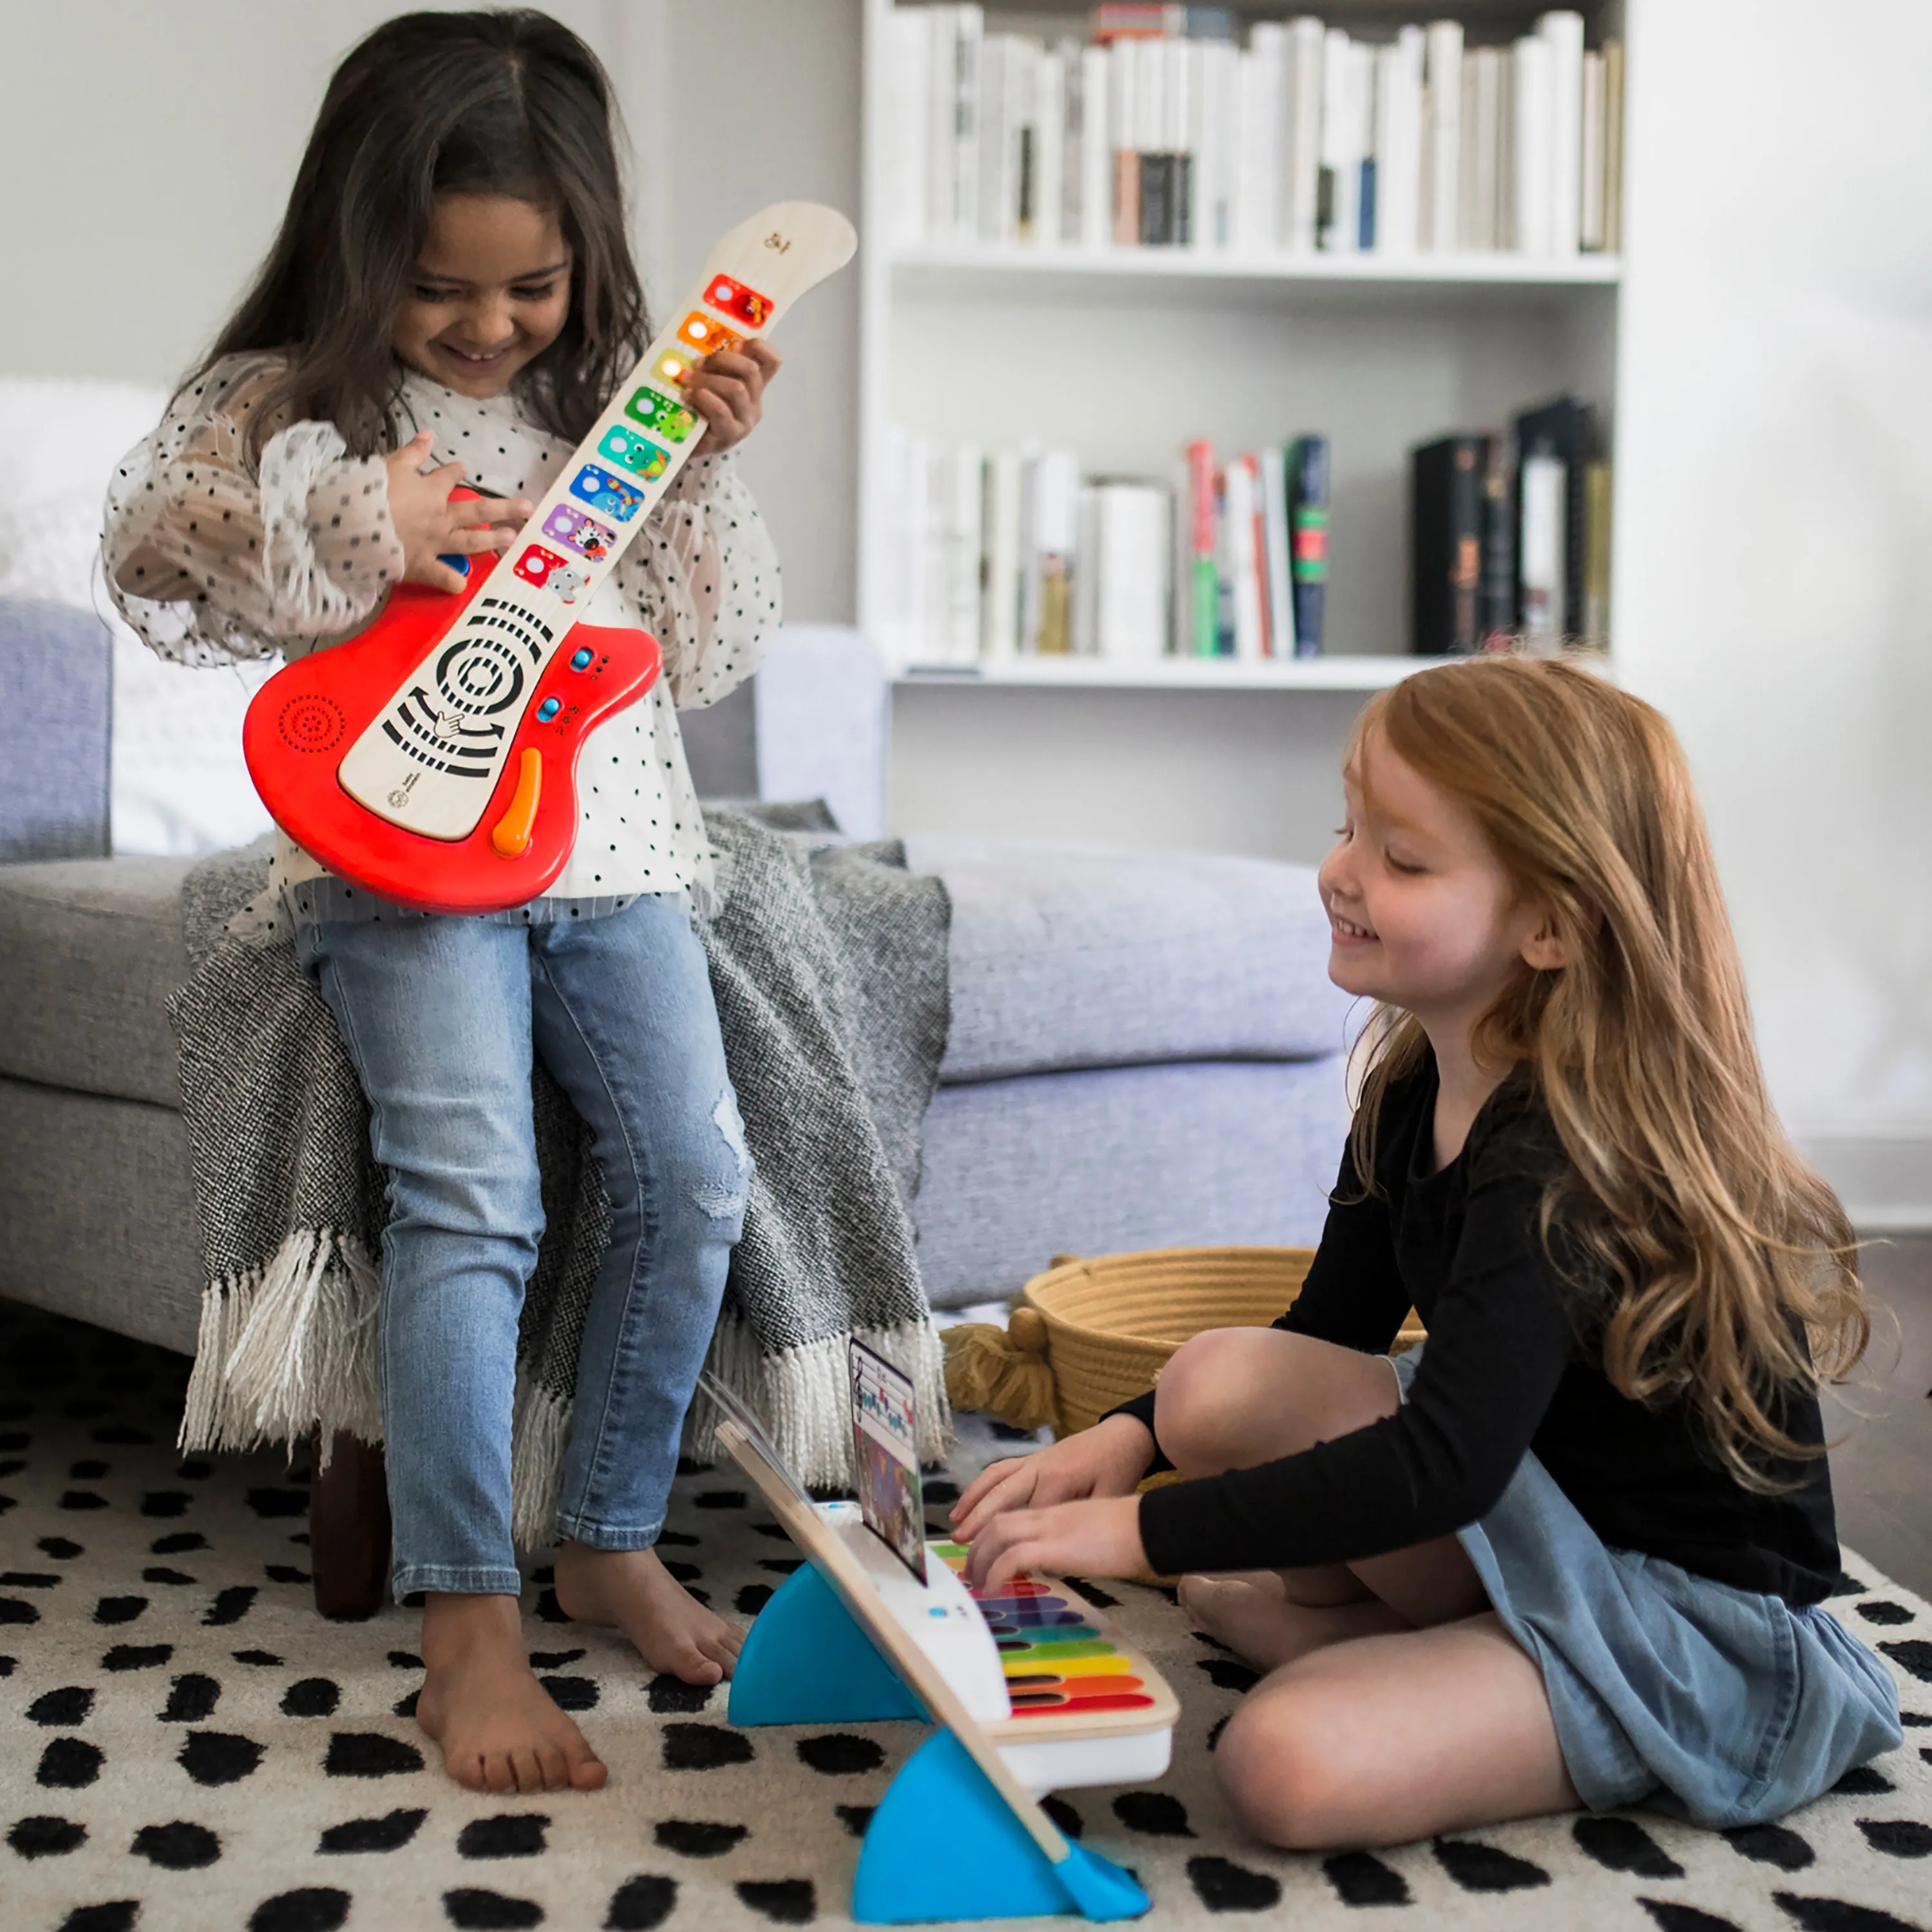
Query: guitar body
x,y
432,760
306,716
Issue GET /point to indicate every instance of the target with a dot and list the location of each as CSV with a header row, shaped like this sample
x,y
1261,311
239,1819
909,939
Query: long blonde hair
x,y
1718,1255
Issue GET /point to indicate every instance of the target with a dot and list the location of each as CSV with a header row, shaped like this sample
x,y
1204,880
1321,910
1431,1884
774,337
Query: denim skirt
x,y
1713,1703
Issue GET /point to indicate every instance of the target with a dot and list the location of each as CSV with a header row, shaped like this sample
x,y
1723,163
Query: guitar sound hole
x,y
311,723
480,676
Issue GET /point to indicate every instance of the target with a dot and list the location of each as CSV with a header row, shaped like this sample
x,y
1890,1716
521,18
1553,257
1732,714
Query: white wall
x,y
1775,528
146,153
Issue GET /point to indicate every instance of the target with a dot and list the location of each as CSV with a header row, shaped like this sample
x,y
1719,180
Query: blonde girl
x,y
1574,1549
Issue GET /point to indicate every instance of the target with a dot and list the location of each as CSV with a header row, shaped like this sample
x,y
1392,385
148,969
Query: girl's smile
x,y
491,293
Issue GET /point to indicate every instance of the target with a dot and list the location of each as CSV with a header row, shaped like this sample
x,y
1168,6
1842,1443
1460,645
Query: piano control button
x,y
580,659
510,834
548,710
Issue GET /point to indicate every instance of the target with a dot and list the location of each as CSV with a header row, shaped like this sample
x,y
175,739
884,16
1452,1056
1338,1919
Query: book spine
x,y
1362,112
1049,197
1308,539
993,195
1301,134
1541,482
1095,161
1590,217
1613,146
1562,31
1181,60
1482,136
1596,629
1532,85
1335,227
1442,68
1122,82
969,23
1000,609
1197,635
965,490
1497,617
908,59
1274,525
1051,546
1447,520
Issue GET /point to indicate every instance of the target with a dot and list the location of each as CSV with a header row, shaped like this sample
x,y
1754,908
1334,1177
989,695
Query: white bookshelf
x,y
1126,354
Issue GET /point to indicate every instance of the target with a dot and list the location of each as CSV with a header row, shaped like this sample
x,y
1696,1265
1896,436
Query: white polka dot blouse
x,y
212,565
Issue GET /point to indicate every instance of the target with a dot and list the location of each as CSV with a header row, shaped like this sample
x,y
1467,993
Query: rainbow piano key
x,y
1057,1663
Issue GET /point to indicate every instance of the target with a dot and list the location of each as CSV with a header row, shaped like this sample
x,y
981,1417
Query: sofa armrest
x,y
56,718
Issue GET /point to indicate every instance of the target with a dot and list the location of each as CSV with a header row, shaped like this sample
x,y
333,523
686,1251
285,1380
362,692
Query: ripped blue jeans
x,y
440,1017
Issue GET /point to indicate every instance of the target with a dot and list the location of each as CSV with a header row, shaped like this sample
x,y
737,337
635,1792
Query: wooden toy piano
x,y
1030,1690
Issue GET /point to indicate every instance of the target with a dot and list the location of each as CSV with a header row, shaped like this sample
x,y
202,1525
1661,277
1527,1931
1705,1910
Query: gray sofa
x,y
1144,1048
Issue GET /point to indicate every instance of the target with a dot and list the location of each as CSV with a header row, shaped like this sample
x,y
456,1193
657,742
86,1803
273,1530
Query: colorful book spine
x,y
1200,637
1308,539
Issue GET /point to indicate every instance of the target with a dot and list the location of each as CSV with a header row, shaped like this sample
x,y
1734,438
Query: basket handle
x,y
1003,1371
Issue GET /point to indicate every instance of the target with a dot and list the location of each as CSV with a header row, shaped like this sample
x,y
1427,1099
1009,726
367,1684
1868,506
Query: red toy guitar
x,y
432,758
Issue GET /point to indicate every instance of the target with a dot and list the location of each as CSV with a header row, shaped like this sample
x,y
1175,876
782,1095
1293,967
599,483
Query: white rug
x,y
187,1746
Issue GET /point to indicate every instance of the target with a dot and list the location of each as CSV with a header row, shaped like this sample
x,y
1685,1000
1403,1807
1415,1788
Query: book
x,y
1274,525
1398,142
1542,479
1123,84
1596,626
1442,69
1000,583
1050,491
1242,563
1258,168
1446,521
1092,170
1482,134
1308,539
1564,431
1562,32
1127,538
1497,614
1043,216
1613,146
1590,214
1338,209
1532,86
908,61
1196,635
1303,54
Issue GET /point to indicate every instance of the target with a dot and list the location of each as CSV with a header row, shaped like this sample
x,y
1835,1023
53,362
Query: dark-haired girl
x,y
451,299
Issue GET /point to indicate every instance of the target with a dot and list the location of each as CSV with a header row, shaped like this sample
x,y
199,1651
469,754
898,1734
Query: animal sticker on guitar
x,y
569,526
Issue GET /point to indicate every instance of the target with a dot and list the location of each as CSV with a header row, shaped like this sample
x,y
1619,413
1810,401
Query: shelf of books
x,y
1210,351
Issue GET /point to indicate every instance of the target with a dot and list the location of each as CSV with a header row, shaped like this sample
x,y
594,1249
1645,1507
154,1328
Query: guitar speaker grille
x,y
310,723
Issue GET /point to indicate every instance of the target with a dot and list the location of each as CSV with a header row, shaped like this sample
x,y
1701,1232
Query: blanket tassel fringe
x,y
291,1347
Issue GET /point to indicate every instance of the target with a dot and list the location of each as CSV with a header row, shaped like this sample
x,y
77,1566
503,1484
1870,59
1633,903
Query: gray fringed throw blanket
x,y
829,965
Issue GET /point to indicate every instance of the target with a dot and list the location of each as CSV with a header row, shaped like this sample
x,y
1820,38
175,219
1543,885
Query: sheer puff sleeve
x,y
213,561
703,579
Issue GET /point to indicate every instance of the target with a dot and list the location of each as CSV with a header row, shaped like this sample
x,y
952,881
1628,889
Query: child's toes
x,y
499,1773
553,1769
587,1773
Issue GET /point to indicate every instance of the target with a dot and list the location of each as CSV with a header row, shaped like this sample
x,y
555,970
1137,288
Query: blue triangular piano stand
x,y
943,1846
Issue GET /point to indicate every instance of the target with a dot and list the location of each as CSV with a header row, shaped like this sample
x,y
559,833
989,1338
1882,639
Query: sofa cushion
x,y
54,667
90,950
1067,956
1018,1171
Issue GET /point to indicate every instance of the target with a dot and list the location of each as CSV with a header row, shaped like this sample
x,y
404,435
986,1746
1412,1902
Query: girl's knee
x,y
1282,1777
1201,1409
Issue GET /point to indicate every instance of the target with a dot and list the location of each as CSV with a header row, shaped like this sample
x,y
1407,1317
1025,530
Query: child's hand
x,y
1099,1536
1106,1460
431,527
727,390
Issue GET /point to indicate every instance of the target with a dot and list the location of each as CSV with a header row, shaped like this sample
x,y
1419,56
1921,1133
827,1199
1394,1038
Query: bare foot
x,y
496,1724
1256,1622
632,1591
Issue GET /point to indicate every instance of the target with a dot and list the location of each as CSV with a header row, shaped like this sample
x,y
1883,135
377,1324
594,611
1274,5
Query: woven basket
x,y
1089,1334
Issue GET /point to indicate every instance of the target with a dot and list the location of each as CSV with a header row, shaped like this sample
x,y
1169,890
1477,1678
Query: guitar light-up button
x,y
510,834
548,710
580,659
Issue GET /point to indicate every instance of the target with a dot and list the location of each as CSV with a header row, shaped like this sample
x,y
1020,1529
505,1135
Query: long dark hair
x,y
509,103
